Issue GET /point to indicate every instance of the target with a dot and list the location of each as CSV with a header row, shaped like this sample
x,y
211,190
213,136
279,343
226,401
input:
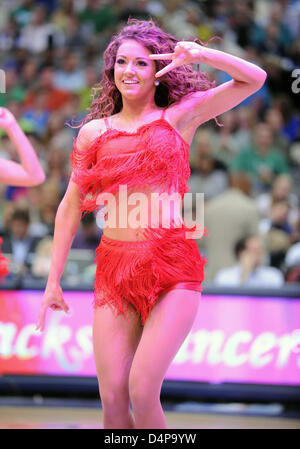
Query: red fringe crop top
x,y
154,156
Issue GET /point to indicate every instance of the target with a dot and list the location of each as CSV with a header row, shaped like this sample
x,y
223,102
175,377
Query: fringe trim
x,y
136,272
161,161
4,262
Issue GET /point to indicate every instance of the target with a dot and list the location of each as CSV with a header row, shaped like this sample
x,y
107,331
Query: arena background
x,y
50,57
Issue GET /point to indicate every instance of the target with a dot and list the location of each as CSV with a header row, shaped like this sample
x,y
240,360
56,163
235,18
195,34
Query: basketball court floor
x,y
39,413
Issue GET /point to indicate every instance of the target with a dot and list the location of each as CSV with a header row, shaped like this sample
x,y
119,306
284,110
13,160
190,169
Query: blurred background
x,y
248,169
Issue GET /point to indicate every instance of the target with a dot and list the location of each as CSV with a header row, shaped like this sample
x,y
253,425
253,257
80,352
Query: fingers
x,y
166,69
65,307
162,56
58,305
41,319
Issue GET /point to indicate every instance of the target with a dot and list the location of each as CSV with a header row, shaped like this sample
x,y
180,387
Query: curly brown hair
x,y
174,85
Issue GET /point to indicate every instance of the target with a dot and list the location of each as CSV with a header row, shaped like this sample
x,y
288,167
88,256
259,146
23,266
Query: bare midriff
x,y
133,214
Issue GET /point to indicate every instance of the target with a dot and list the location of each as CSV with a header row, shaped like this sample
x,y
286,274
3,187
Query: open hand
x,y
184,53
7,119
53,298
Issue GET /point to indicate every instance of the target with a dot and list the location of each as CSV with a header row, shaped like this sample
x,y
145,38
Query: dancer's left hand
x,y
7,119
184,53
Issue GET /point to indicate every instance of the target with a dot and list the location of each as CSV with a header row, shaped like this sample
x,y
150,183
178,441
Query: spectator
x,y
97,16
223,141
37,35
274,118
250,271
14,89
23,13
175,20
38,115
91,77
55,98
18,242
88,235
57,136
229,217
57,169
292,257
261,161
246,119
208,175
70,77
281,190
279,235
42,258
29,74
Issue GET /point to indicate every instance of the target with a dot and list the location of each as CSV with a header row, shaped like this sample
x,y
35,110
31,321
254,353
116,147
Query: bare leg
x,y
164,332
114,341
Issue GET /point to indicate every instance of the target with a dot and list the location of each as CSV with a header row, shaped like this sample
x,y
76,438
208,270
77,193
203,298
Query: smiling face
x,y
133,64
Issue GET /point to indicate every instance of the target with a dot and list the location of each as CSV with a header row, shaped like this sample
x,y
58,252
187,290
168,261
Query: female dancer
x,y
148,279
28,173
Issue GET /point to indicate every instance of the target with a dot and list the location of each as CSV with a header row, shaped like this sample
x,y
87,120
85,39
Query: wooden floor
x,y
41,417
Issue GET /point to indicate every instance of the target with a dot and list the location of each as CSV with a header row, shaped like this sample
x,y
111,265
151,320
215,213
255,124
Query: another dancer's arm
x,y
29,172
201,106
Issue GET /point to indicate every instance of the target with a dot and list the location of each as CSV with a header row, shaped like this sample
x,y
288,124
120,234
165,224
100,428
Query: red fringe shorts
x,y
137,272
3,264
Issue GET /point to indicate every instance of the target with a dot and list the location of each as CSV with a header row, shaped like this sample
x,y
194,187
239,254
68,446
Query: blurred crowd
x,y
248,169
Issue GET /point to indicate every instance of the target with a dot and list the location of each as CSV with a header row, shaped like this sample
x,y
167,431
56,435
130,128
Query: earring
x,y
156,83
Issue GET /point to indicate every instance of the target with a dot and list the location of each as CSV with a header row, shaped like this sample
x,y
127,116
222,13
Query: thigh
x,y
115,339
166,328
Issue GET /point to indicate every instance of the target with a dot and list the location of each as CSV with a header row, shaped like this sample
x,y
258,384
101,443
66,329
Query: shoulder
x,y
89,132
272,274
293,255
227,275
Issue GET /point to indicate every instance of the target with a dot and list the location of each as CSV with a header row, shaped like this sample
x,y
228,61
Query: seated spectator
x,y
207,175
223,141
57,136
98,17
250,270
293,255
22,12
57,171
42,258
281,190
292,263
229,217
291,128
29,73
85,96
38,114
70,77
55,98
88,235
246,119
262,161
278,233
18,242
274,118
14,88
37,34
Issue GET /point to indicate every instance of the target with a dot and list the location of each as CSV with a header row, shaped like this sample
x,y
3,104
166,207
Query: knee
x,y
143,389
114,396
